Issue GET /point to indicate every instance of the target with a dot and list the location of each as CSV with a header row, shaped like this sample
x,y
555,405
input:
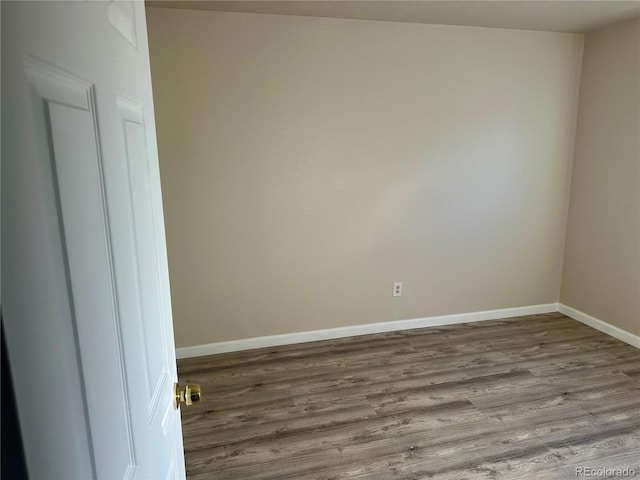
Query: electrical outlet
x,y
397,289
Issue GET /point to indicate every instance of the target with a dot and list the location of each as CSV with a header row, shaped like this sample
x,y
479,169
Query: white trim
x,y
56,86
598,324
355,330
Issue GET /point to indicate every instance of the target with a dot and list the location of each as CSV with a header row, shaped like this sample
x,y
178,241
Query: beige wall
x,y
308,163
602,260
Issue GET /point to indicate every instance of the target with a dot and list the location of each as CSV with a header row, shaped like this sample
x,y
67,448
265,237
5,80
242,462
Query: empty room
x,y
321,239
308,164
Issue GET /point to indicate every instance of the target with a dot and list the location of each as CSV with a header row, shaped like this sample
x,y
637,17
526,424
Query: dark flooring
x,y
532,397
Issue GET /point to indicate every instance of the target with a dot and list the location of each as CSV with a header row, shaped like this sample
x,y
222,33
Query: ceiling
x,y
577,16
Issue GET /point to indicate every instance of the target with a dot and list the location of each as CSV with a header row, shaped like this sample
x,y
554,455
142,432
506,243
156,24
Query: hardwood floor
x,y
533,397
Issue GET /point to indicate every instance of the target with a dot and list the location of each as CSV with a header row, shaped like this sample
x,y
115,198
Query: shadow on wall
x,y
13,464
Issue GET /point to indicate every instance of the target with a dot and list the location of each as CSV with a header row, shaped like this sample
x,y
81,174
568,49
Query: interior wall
x,y
602,260
308,163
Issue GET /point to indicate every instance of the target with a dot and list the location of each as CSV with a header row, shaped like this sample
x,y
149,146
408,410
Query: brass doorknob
x,y
190,395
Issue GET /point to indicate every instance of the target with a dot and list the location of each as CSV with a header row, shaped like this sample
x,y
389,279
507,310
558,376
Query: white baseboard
x,y
598,324
355,330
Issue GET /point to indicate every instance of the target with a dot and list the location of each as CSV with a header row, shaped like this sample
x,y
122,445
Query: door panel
x,y
152,338
78,174
121,16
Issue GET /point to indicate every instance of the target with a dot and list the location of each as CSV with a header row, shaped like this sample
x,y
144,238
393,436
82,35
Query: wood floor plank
x,y
520,398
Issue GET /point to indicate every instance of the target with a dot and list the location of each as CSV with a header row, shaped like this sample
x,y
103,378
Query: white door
x,y
85,289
